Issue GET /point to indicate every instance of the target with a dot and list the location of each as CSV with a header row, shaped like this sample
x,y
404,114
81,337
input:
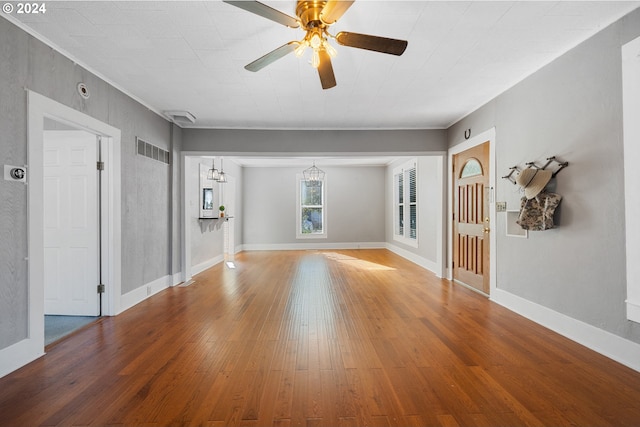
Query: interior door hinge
x,y
100,166
101,288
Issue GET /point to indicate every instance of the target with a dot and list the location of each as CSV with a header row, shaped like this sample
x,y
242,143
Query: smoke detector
x,y
181,117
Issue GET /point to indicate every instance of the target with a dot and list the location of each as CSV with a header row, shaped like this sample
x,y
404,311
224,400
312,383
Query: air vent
x,y
181,117
151,151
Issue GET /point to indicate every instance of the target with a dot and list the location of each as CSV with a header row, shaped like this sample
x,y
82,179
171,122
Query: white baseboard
x,y
416,259
312,246
19,354
140,294
199,268
608,344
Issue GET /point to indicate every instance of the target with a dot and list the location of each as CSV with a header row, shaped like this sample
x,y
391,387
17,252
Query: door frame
x,y
490,136
40,107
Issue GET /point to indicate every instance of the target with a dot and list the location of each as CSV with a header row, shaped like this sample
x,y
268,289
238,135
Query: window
x,y
311,209
405,199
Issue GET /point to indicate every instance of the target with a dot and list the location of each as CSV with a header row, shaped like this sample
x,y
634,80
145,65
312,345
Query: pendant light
x,y
213,174
222,177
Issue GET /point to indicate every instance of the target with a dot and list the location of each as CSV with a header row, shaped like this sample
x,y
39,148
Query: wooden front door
x,y
471,217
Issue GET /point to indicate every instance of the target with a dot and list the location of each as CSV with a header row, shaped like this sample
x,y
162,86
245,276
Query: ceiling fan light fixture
x,y
315,41
315,17
299,51
315,59
330,49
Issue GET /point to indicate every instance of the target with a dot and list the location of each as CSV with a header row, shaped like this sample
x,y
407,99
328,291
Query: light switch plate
x,y
501,206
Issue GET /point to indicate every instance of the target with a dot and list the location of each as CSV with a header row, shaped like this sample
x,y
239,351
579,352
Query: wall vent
x,y
146,149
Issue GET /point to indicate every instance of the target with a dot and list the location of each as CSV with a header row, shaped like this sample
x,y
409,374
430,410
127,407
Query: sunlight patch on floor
x,y
356,262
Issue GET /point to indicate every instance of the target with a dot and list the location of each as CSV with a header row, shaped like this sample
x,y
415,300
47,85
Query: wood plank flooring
x,y
319,338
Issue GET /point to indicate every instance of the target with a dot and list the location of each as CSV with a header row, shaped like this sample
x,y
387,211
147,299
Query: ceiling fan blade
x,y
334,9
375,43
265,11
325,70
272,56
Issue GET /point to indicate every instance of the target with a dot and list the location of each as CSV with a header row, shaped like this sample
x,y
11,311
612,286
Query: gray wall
x,y
355,205
571,108
314,141
27,63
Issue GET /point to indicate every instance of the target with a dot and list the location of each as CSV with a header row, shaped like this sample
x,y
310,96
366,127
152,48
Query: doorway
x,y
480,230
471,222
44,110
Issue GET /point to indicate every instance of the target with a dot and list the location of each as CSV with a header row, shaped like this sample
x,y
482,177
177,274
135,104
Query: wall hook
x,y
467,133
561,165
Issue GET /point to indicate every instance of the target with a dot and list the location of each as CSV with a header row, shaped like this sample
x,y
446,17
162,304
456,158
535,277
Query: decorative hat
x,y
533,181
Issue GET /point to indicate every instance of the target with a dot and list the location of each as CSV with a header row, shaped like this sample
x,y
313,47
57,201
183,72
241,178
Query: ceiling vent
x,y
181,117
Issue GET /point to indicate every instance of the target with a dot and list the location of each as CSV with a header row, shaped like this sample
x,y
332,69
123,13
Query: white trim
x,y
199,268
186,216
176,279
140,294
631,128
488,135
19,354
633,310
311,246
603,342
40,107
433,267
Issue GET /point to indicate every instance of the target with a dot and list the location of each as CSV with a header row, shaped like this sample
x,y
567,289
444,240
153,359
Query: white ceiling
x,y
189,55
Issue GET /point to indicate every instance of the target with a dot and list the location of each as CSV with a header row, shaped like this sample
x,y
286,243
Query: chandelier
x,y
313,176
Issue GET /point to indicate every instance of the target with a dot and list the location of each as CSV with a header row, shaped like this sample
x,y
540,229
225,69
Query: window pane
x,y
400,186
310,195
311,220
400,220
412,231
412,185
471,168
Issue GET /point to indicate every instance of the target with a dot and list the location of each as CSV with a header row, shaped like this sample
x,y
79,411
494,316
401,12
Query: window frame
x,y
299,234
404,171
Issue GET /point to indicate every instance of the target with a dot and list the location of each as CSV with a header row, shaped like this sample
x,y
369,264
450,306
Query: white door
x,y
71,228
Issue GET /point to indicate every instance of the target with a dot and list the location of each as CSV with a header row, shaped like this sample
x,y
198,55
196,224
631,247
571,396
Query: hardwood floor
x,y
327,338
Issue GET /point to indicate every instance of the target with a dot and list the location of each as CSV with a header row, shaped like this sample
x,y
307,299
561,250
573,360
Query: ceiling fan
x,y
315,17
